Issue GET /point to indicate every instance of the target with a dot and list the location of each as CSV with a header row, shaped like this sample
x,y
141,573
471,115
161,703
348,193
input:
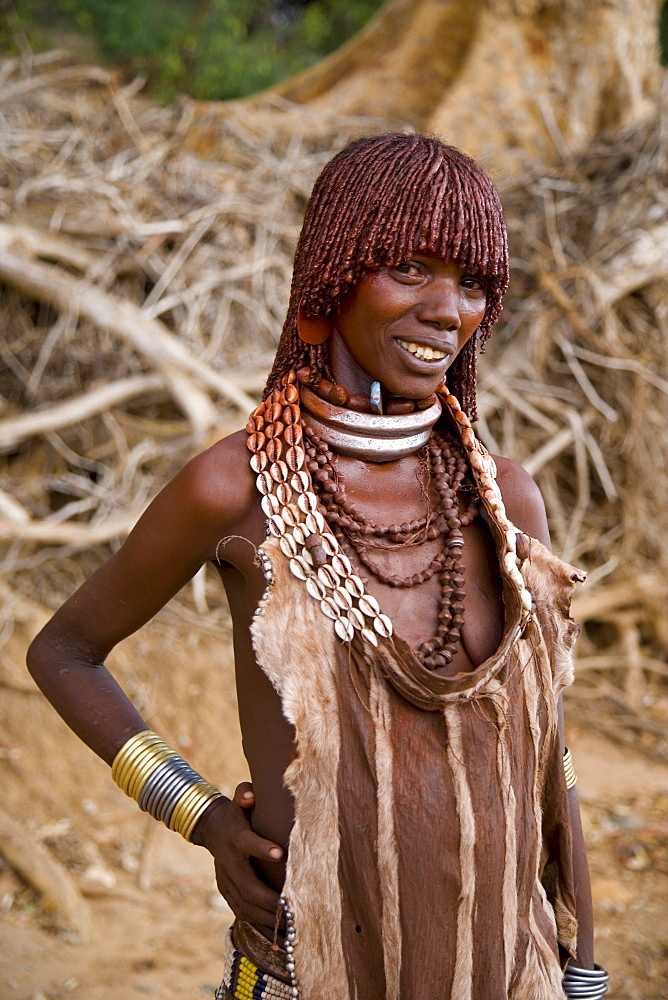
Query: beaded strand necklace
x,y
447,469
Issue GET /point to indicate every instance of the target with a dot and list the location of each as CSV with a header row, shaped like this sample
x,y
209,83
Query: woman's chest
x,y
428,558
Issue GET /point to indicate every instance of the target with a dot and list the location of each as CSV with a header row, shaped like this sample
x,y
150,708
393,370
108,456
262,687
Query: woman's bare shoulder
x,y
220,479
212,496
522,498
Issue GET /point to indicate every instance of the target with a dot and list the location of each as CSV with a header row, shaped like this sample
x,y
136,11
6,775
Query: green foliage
x,y
211,49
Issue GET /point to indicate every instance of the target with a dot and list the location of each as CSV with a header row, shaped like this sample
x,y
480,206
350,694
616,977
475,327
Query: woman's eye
x,y
408,267
475,284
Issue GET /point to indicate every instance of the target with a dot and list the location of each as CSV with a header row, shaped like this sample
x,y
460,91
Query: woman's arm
x,y
526,509
173,538
176,535
583,902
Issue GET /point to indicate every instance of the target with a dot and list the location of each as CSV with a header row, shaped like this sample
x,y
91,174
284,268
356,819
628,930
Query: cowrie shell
x,y
329,543
502,520
329,608
299,534
274,450
329,576
468,437
265,483
307,502
279,472
344,629
383,626
284,493
288,546
274,430
356,618
295,457
299,568
342,598
299,481
291,514
276,525
293,434
341,563
256,442
510,561
258,461
370,636
270,504
369,605
354,585
315,522
315,588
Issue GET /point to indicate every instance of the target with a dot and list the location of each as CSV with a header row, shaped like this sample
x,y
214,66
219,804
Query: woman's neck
x,y
345,369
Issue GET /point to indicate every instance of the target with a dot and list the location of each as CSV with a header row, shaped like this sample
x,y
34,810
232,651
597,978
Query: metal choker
x,y
368,436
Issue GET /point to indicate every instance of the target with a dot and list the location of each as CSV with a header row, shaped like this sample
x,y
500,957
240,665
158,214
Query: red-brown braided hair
x,y
378,200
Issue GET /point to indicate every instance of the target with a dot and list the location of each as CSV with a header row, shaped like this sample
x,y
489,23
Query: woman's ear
x,y
313,330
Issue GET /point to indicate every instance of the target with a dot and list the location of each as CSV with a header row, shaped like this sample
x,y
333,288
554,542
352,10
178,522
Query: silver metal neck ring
x,y
368,436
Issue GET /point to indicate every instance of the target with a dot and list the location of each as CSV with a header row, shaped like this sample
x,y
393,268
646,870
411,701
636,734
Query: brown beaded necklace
x,y
445,464
339,396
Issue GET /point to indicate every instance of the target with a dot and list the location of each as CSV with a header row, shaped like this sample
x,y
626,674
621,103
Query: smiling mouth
x,y
421,351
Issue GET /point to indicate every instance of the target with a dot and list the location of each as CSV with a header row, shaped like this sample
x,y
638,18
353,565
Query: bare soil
x,y
158,921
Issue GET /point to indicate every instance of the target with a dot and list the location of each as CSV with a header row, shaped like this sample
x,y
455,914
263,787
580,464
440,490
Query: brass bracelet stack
x,y
161,782
571,777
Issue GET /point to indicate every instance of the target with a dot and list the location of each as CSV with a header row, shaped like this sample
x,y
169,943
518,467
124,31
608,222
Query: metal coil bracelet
x,y
162,783
585,983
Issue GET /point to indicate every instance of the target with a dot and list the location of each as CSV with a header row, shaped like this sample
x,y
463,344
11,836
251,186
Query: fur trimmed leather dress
x,y
431,851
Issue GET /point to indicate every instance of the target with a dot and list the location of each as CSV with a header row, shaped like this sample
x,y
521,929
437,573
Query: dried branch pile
x,y
143,290
575,386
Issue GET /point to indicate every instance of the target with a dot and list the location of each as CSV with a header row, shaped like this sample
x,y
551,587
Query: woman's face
x,y
403,326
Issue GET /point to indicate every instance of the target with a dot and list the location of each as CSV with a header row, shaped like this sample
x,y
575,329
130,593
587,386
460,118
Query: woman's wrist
x,y
202,831
584,957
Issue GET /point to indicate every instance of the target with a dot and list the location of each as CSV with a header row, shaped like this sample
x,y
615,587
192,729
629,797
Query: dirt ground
x,y
157,921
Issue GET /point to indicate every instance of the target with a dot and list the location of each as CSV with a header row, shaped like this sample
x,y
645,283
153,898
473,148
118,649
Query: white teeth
x,y
426,353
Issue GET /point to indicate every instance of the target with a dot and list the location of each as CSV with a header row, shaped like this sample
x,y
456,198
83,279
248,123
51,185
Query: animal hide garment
x,y
431,849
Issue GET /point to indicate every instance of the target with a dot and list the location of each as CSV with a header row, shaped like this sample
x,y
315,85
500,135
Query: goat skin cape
x,y
431,850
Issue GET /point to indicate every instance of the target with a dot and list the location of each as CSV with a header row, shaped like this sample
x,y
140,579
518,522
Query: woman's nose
x,y
440,304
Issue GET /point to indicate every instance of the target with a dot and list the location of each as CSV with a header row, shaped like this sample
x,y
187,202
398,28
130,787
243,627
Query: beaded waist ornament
x,y
276,440
244,980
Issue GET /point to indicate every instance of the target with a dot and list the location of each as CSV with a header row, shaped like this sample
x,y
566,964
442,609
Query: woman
x,y
401,631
